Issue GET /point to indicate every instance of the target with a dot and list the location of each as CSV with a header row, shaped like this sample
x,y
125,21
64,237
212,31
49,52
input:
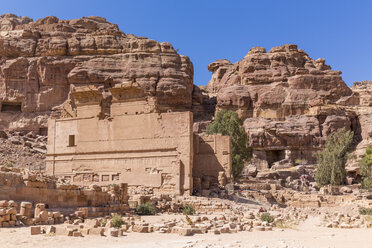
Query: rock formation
x,y
290,102
41,62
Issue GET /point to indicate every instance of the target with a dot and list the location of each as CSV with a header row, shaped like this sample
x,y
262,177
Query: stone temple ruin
x,y
119,135
127,126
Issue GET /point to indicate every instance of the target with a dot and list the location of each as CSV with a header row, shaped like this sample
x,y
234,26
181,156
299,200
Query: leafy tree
x,y
227,122
332,159
366,169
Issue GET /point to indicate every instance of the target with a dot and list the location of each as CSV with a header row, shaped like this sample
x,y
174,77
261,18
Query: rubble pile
x,y
26,216
185,227
22,150
346,221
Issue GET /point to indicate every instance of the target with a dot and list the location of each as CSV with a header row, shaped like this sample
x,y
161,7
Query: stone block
x,y
183,231
40,206
35,230
3,204
79,214
141,228
11,211
114,232
91,223
77,234
43,216
26,204
5,224
26,212
56,214
50,229
259,228
63,231
97,231
12,204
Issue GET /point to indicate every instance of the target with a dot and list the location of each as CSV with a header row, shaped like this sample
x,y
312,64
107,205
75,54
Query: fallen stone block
x,y
214,231
62,231
50,229
3,204
77,234
114,232
96,231
259,228
141,228
183,231
91,223
35,230
43,216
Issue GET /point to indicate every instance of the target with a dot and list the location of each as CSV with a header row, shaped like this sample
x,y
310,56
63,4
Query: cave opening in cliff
x,y
43,131
273,156
11,107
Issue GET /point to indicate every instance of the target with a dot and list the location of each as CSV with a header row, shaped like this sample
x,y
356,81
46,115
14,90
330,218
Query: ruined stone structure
x,y
211,158
126,138
20,186
87,68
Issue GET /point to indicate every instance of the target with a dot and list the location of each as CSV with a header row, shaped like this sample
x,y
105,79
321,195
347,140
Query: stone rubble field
x,y
239,225
308,234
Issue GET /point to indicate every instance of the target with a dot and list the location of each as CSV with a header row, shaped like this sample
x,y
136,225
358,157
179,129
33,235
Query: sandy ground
x,y
306,235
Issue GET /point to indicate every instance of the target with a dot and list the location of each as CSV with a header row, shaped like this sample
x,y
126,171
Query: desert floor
x,y
306,235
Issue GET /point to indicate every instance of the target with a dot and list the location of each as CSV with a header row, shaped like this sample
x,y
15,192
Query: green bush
x,y
117,221
366,169
267,217
283,182
104,222
332,159
188,209
227,122
146,209
365,211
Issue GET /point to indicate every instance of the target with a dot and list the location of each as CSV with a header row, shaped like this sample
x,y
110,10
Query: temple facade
x,y
117,135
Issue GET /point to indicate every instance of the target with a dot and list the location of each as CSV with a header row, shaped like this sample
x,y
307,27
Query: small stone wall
x,y
34,188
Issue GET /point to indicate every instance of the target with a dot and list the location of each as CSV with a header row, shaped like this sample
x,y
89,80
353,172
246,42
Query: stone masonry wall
x,y
148,149
212,155
25,187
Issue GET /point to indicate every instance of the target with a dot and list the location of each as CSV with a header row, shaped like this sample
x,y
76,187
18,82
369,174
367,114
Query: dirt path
x,y
307,235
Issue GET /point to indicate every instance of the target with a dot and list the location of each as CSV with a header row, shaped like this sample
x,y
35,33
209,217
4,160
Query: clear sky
x,y
338,30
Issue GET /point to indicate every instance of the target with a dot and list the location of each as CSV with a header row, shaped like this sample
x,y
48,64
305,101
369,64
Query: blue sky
x,y
339,31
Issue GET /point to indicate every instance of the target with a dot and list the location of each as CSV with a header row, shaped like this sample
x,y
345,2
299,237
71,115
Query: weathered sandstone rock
x,y
289,102
41,60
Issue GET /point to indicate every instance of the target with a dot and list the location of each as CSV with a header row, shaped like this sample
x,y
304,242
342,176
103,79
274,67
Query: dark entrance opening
x,y
273,156
43,131
11,107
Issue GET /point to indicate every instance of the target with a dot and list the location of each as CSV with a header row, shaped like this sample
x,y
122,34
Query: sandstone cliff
x,y
41,62
290,103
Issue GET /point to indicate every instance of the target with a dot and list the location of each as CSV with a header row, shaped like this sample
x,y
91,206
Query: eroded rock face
x,y
290,102
40,61
285,81
364,90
